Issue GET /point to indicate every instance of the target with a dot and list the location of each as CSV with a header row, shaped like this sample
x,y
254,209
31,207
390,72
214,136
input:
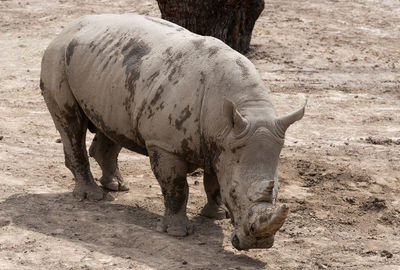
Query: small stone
x,y
386,254
58,140
321,266
4,222
196,183
349,200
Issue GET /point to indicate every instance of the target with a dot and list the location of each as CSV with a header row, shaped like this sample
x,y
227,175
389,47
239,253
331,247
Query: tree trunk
x,y
231,21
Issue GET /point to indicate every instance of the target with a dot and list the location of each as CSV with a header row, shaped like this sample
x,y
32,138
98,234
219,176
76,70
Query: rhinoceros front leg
x,y
105,152
170,172
213,209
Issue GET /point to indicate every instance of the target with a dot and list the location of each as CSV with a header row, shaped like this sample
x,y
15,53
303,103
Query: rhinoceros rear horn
x,y
285,121
268,225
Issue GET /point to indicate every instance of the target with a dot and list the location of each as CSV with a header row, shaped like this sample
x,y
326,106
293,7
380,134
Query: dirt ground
x,y
340,169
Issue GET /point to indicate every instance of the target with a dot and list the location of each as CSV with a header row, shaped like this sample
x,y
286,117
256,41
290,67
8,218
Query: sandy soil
x,y
340,170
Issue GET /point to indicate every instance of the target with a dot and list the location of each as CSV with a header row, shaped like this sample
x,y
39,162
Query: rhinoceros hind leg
x,y
71,122
105,152
213,209
170,172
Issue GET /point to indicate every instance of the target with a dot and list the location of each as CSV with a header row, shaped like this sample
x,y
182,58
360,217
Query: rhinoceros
x,y
184,100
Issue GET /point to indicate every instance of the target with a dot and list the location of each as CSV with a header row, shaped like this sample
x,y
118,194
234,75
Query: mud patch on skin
x,y
41,85
210,152
138,117
152,78
202,78
112,58
100,42
108,41
188,153
74,123
175,63
233,194
243,68
70,50
168,51
160,107
178,56
185,114
154,158
173,186
133,52
157,96
112,51
175,196
212,51
170,76
199,44
96,122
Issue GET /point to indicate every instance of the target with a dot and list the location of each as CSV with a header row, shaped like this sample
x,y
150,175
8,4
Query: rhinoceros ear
x,y
236,120
285,121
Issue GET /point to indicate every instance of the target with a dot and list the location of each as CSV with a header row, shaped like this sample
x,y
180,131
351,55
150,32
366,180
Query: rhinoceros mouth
x,y
251,242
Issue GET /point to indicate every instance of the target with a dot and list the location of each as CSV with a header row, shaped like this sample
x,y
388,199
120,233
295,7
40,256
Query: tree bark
x,y
231,21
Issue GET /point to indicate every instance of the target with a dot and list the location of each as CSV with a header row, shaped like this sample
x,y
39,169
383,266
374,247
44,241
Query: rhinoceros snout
x,y
264,222
249,242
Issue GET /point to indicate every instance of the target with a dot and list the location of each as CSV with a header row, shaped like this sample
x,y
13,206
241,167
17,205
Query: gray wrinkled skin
x,y
184,100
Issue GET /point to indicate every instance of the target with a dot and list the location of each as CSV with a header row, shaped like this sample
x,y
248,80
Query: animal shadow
x,y
123,230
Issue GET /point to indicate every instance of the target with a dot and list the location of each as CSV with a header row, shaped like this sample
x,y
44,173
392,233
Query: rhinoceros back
x,y
140,80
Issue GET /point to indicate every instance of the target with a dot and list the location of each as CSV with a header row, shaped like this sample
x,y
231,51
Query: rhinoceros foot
x,y
182,228
90,191
115,183
214,212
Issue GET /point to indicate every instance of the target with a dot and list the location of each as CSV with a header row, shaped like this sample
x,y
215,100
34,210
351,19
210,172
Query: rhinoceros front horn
x,y
285,121
267,225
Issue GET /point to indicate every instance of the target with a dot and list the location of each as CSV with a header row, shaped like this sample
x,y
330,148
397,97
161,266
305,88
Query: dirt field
x,y
340,169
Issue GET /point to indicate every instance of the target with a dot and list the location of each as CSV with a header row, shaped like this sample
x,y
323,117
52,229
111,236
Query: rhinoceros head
x,y
247,172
